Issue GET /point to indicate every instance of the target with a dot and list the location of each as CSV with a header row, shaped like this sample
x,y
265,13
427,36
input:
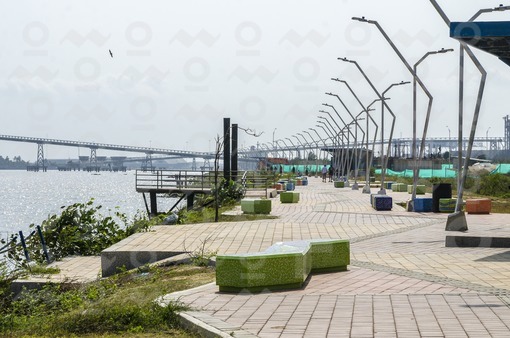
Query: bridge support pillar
x,y
40,157
190,198
154,203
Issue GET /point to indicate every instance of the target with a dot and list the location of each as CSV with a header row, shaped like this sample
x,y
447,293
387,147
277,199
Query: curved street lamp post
x,y
349,157
384,160
336,161
316,150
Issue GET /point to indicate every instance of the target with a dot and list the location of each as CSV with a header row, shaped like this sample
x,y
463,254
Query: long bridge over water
x,y
401,147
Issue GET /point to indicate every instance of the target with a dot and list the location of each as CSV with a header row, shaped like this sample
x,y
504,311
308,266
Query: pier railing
x,y
185,180
173,180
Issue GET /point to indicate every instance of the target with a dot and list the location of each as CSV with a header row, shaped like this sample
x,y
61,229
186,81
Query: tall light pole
x,y
273,135
334,136
384,160
320,138
366,188
349,132
299,141
487,137
328,131
316,150
337,161
287,147
309,143
295,147
375,134
417,159
356,119
457,221
449,146
415,78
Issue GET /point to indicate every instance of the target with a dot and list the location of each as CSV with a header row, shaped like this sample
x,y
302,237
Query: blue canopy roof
x,y
492,36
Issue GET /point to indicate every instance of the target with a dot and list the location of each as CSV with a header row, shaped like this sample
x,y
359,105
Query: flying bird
x,y
111,54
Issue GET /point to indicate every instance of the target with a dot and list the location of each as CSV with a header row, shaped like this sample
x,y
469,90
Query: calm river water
x,y
29,197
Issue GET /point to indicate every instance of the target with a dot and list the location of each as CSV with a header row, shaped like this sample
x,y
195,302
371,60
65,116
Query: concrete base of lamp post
x,y
355,186
382,191
366,189
456,222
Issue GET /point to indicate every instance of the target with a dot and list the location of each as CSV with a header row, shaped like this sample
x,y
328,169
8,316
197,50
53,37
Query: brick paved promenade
x,y
402,281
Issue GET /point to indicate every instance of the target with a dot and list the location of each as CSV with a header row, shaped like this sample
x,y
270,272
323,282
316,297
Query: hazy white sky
x,y
179,67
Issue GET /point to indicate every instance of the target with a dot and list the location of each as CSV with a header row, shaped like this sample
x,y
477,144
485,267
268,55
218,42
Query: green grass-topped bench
x,y
255,206
420,189
339,184
289,197
284,265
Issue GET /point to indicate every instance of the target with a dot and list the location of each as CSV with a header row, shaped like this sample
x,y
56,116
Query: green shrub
x,y
229,193
495,185
80,229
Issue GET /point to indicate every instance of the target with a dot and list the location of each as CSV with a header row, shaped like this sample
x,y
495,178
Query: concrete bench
x,y
420,189
399,187
479,206
423,204
381,202
339,184
284,265
289,197
255,206
447,205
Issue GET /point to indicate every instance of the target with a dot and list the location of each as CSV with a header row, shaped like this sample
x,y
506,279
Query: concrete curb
x,y
210,327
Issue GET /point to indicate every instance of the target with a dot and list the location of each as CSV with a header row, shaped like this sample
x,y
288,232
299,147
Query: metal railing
x,y
174,180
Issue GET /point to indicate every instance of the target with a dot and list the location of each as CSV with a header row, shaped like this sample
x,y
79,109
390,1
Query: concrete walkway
x,y
402,281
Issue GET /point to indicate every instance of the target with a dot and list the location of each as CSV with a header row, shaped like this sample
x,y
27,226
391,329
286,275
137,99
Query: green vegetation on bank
x,y
122,305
